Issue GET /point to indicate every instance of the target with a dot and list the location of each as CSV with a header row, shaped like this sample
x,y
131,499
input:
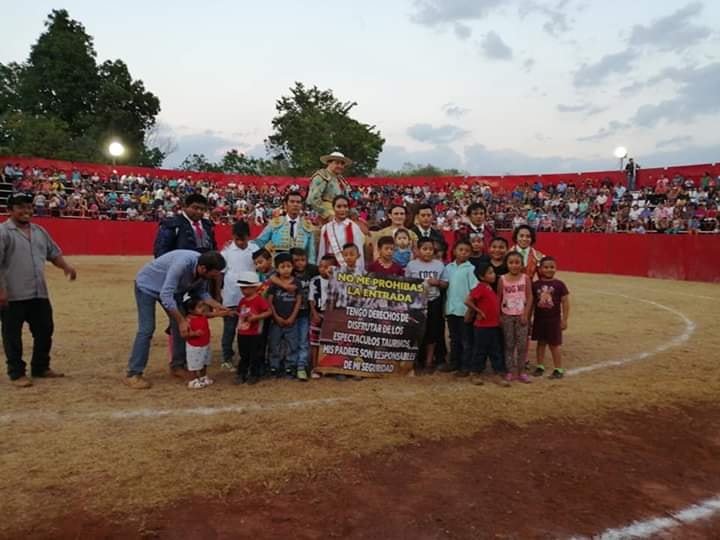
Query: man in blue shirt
x,y
167,280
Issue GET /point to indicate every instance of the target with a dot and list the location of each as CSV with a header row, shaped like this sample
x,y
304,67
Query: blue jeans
x,y
228,337
177,358
303,336
487,345
146,328
277,336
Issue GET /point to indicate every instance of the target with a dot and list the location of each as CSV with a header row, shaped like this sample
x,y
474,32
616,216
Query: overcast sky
x,y
487,86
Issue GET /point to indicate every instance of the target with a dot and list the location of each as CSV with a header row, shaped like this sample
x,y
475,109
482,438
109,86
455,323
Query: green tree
x,y
75,106
312,122
199,163
124,109
48,136
411,169
234,162
60,78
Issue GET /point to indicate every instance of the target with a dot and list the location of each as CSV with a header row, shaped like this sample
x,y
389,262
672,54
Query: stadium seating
x,y
674,200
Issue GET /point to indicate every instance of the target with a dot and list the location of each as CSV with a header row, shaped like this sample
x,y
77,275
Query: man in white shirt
x,y
238,258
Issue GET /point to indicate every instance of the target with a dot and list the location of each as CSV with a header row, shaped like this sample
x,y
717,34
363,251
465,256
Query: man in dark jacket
x,y
424,226
187,230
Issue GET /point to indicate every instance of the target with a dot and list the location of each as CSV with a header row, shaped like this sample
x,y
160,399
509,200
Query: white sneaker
x,y
315,375
228,366
207,380
196,384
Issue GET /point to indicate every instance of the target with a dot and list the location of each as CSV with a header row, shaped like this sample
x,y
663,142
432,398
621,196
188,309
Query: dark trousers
x,y
250,351
228,336
264,360
486,344
460,342
38,314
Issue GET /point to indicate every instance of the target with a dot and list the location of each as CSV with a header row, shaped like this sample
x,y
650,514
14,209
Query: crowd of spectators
x,y
672,205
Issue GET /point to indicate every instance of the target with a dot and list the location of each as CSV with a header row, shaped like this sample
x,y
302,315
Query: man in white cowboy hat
x,y
328,183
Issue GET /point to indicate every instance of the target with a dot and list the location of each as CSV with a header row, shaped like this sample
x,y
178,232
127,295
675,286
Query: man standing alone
x,y
24,248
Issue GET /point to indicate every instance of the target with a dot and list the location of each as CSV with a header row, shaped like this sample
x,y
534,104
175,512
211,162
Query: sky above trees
x,y
486,86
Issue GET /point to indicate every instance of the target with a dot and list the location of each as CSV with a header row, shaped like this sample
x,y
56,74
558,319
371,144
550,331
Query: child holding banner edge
x,y
319,296
429,269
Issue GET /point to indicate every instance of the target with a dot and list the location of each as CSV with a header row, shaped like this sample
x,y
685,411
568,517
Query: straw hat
x,y
336,156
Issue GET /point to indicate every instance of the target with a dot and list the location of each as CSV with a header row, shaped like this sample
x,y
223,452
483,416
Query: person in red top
x,y
198,343
252,309
483,301
476,226
384,264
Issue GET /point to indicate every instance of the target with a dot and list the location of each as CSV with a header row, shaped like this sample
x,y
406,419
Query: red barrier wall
x,y
684,257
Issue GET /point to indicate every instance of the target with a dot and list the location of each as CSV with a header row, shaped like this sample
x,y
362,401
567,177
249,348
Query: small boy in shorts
x,y
197,348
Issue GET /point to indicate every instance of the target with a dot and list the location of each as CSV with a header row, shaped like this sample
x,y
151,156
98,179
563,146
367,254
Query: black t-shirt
x,y
305,278
500,270
284,301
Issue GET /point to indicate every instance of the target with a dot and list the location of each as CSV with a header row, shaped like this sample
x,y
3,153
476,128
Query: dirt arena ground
x,y
632,433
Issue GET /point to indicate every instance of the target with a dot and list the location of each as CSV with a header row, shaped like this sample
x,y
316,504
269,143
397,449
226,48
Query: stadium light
x,y
621,153
116,149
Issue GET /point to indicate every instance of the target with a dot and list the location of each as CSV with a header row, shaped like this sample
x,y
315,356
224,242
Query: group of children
x,y
492,303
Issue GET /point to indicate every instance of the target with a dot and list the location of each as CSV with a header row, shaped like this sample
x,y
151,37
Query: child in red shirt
x,y
198,343
384,265
252,309
483,301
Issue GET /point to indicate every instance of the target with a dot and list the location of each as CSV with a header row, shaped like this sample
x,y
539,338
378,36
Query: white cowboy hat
x,y
336,156
247,279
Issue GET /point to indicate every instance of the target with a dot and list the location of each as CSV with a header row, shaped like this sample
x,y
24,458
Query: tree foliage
x,y
199,163
61,104
313,122
411,169
234,162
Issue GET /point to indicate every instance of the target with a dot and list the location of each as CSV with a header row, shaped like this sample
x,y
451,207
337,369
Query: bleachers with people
x,y
680,204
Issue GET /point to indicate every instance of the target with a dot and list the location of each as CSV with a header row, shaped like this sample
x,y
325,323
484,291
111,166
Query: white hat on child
x,y
247,279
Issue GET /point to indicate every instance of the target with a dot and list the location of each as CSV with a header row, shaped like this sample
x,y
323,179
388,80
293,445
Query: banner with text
x,y
373,325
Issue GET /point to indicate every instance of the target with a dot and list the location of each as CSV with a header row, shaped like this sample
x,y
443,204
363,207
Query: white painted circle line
x,y
258,407
155,413
652,526
674,342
